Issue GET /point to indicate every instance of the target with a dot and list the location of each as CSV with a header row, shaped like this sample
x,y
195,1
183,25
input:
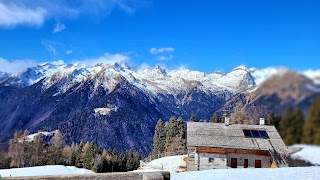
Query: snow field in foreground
x,y
43,171
254,174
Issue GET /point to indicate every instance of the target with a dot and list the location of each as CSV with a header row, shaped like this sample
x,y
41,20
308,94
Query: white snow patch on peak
x,y
241,67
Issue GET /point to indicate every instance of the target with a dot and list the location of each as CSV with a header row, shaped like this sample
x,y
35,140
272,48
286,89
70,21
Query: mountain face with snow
x,y
118,106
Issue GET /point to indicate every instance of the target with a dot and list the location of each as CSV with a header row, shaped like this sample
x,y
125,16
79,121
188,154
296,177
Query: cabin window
x,y
255,134
211,160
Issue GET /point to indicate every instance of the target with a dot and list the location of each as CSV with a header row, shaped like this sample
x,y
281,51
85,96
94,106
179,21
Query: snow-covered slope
x,y
170,163
254,174
43,171
308,153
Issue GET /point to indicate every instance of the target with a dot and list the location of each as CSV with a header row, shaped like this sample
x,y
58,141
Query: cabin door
x,y
245,163
257,163
234,163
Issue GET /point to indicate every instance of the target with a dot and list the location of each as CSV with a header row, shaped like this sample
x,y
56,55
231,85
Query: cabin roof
x,y
202,134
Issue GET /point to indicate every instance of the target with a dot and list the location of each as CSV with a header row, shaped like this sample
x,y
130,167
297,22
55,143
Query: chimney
x,y
226,119
262,121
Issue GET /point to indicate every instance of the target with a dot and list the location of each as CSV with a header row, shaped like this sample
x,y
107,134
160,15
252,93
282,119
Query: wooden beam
x,y
208,150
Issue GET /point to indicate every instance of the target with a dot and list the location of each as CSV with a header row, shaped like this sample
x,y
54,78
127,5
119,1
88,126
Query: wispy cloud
x,y
12,14
34,12
165,57
161,50
58,27
68,52
107,58
16,65
163,54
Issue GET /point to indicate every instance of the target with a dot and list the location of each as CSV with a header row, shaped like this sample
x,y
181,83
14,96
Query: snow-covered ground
x,y
308,153
43,171
170,163
265,173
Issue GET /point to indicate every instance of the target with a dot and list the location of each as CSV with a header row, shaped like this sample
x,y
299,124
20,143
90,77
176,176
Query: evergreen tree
x,y
291,126
274,120
215,118
181,126
159,138
311,128
192,118
172,131
79,159
88,155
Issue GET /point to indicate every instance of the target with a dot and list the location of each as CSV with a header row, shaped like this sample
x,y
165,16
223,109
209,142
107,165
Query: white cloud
x,y
68,52
59,27
20,65
161,50
12,14
107,58
165,58
58,62
16,65
34,12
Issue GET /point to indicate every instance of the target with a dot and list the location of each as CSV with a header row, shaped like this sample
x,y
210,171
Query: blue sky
x,y
205,35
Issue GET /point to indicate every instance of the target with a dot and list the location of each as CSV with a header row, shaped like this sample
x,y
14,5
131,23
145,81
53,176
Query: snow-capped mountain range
x,y
117,106
152,80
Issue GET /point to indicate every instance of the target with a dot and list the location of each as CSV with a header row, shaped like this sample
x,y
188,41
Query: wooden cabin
x,y
223,145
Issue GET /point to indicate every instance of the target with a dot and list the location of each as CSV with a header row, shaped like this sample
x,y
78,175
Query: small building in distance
x,y
224,145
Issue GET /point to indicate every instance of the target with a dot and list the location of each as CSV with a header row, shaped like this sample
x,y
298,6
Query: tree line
x,y
295,128
26,152
169,137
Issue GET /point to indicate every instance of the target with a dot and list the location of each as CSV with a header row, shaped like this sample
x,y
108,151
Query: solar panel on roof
x,y
264,134
247,133
255,134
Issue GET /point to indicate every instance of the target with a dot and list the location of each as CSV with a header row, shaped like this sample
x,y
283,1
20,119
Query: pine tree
x,y
159,138
291,126
215,118
88,155
311,128
172,131
181,127
192,118
79,159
